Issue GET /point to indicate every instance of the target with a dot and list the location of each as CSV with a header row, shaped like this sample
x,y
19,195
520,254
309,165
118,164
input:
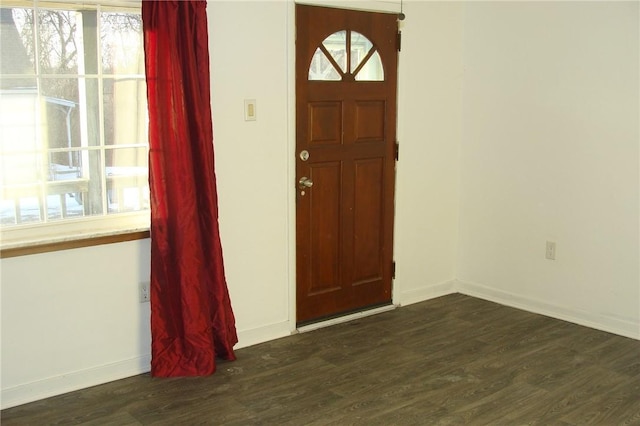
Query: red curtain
x,y
192,322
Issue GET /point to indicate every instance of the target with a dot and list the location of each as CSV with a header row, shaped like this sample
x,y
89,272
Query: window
x,y
73,121
329,62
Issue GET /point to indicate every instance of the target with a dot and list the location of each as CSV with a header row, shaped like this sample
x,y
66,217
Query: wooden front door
x,y
346,72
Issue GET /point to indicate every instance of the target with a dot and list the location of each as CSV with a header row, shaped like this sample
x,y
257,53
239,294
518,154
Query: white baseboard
x,y
58,385
76,380
588,319
425,293
53,386
263,334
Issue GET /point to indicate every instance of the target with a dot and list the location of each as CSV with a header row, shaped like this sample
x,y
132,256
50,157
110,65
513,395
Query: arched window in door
x,y
346,56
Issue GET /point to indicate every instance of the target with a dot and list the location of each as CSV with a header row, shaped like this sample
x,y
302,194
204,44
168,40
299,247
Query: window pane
x,y
58,40
24,163
121,43
322,69
20,138
29,209
126,160
360,46
89,105
62,172
61,123
55,206
62,92
16,52
65,200
7,211
372,69
93,196
125,111
127,179
336,44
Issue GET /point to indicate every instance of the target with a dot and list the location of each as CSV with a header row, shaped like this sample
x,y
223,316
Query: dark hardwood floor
x,y
448,361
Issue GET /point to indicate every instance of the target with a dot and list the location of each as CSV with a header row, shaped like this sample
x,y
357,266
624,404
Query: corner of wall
x,y
427,292
622,327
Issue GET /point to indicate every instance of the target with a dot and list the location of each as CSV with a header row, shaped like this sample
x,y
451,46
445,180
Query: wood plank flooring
x,y
448,361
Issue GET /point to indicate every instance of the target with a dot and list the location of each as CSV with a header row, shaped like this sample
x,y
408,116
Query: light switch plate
x,y
250,112
550,252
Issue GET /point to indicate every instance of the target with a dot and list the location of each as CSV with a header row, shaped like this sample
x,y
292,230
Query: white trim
x,y
291,156
619,326
384,6
73,381
81,379
262,334
426,293
345,318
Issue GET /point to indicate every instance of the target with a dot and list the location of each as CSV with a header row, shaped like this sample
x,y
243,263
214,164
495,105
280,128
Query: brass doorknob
x,y
305,182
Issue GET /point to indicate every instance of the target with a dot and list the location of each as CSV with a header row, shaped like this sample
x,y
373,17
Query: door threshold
x,y
345,318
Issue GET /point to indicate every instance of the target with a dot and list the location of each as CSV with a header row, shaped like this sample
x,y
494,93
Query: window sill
x,y
49,246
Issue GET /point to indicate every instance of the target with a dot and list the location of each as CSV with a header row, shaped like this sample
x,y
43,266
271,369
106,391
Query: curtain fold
x,y
192,321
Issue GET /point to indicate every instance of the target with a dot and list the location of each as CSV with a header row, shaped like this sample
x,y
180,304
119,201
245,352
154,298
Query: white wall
x,y
72,319
550,152
429,131
249,56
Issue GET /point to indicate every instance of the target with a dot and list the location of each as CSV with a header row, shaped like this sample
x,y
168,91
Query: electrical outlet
x,y
551,250
144,292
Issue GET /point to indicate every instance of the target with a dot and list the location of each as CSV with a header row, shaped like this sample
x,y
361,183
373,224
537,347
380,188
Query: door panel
x,y
346,123
325,214
325,123
367,219
369,121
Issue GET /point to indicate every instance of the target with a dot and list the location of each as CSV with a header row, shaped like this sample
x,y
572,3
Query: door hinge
x,y
399,41
396,152
393,270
